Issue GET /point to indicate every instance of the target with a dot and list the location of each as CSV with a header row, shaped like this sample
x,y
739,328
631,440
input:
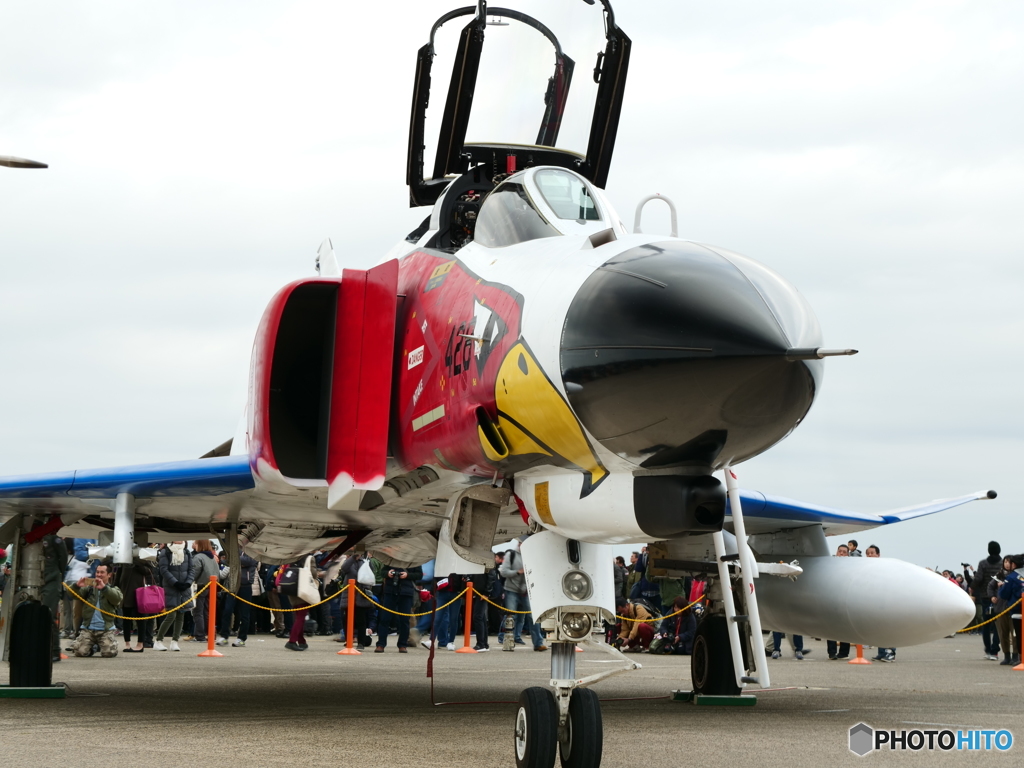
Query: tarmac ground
x,y
263,705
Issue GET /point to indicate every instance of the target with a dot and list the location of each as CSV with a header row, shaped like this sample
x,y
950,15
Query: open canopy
x,y
509,153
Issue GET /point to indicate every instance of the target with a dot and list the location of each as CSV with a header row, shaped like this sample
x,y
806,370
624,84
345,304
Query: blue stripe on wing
x,y
758,505
195,477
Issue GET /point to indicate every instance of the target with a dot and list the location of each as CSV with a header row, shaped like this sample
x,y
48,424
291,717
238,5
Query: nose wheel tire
x,y
711,661
31,663
536,729
583,740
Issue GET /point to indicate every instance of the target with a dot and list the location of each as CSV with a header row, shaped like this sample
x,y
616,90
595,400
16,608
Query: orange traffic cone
x,y
859,659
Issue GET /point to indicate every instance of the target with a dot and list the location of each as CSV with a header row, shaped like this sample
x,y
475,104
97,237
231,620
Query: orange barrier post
x,y
859,658
350,622
211,628
1019,667
467,648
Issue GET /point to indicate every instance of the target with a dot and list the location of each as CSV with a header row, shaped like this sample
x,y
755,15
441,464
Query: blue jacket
x,y
683,626
1011,589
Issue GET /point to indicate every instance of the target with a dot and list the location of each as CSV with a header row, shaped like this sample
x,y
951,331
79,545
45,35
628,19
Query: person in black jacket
x,y
619,574
397,593
678,631
496,592
129,578
986,570
174,570
231,605
350,570
483,584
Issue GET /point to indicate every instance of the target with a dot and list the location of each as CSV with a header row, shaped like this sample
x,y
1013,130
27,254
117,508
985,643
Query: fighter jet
x,y
521,363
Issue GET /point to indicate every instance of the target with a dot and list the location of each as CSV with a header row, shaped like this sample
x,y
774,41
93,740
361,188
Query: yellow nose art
x,y
535,419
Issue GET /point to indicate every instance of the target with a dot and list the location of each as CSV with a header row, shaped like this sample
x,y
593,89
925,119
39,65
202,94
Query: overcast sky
x,y
871,152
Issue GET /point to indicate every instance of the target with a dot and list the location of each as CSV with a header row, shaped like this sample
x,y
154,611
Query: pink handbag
x,y
150,600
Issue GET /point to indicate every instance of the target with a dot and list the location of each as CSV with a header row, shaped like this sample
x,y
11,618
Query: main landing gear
x,y
27,623
711,662
727,649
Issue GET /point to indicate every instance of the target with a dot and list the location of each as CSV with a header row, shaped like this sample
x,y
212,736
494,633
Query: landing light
x,y
577,585
576,625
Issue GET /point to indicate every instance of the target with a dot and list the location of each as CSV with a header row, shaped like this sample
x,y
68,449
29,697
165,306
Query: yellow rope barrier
x,y
968,629
624,618
343,589
284,610
661,618
138,618
412,615
506,610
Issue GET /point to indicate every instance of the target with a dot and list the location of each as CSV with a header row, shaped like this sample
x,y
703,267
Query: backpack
x,y
647,606
288,580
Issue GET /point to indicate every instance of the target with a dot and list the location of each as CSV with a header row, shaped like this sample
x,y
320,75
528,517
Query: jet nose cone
x,y
674,353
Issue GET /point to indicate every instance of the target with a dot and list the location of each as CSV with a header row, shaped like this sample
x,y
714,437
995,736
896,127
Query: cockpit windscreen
x,y
567,195
508,217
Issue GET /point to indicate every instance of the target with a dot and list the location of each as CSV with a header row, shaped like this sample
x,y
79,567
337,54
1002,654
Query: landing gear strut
x,y
727,649
571,592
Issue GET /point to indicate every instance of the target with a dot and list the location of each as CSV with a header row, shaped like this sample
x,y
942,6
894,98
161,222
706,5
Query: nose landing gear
x,y
571,592
567,719
579,742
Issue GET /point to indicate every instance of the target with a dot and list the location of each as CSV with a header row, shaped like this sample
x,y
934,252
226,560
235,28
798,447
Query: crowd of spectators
x,y
657,614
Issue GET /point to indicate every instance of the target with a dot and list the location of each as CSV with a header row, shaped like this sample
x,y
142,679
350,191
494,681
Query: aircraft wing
x,y
192,498
65,490
194,493
764,514
200,497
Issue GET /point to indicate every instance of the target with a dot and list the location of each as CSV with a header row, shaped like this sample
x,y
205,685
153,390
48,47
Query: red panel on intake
x,y
361,382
